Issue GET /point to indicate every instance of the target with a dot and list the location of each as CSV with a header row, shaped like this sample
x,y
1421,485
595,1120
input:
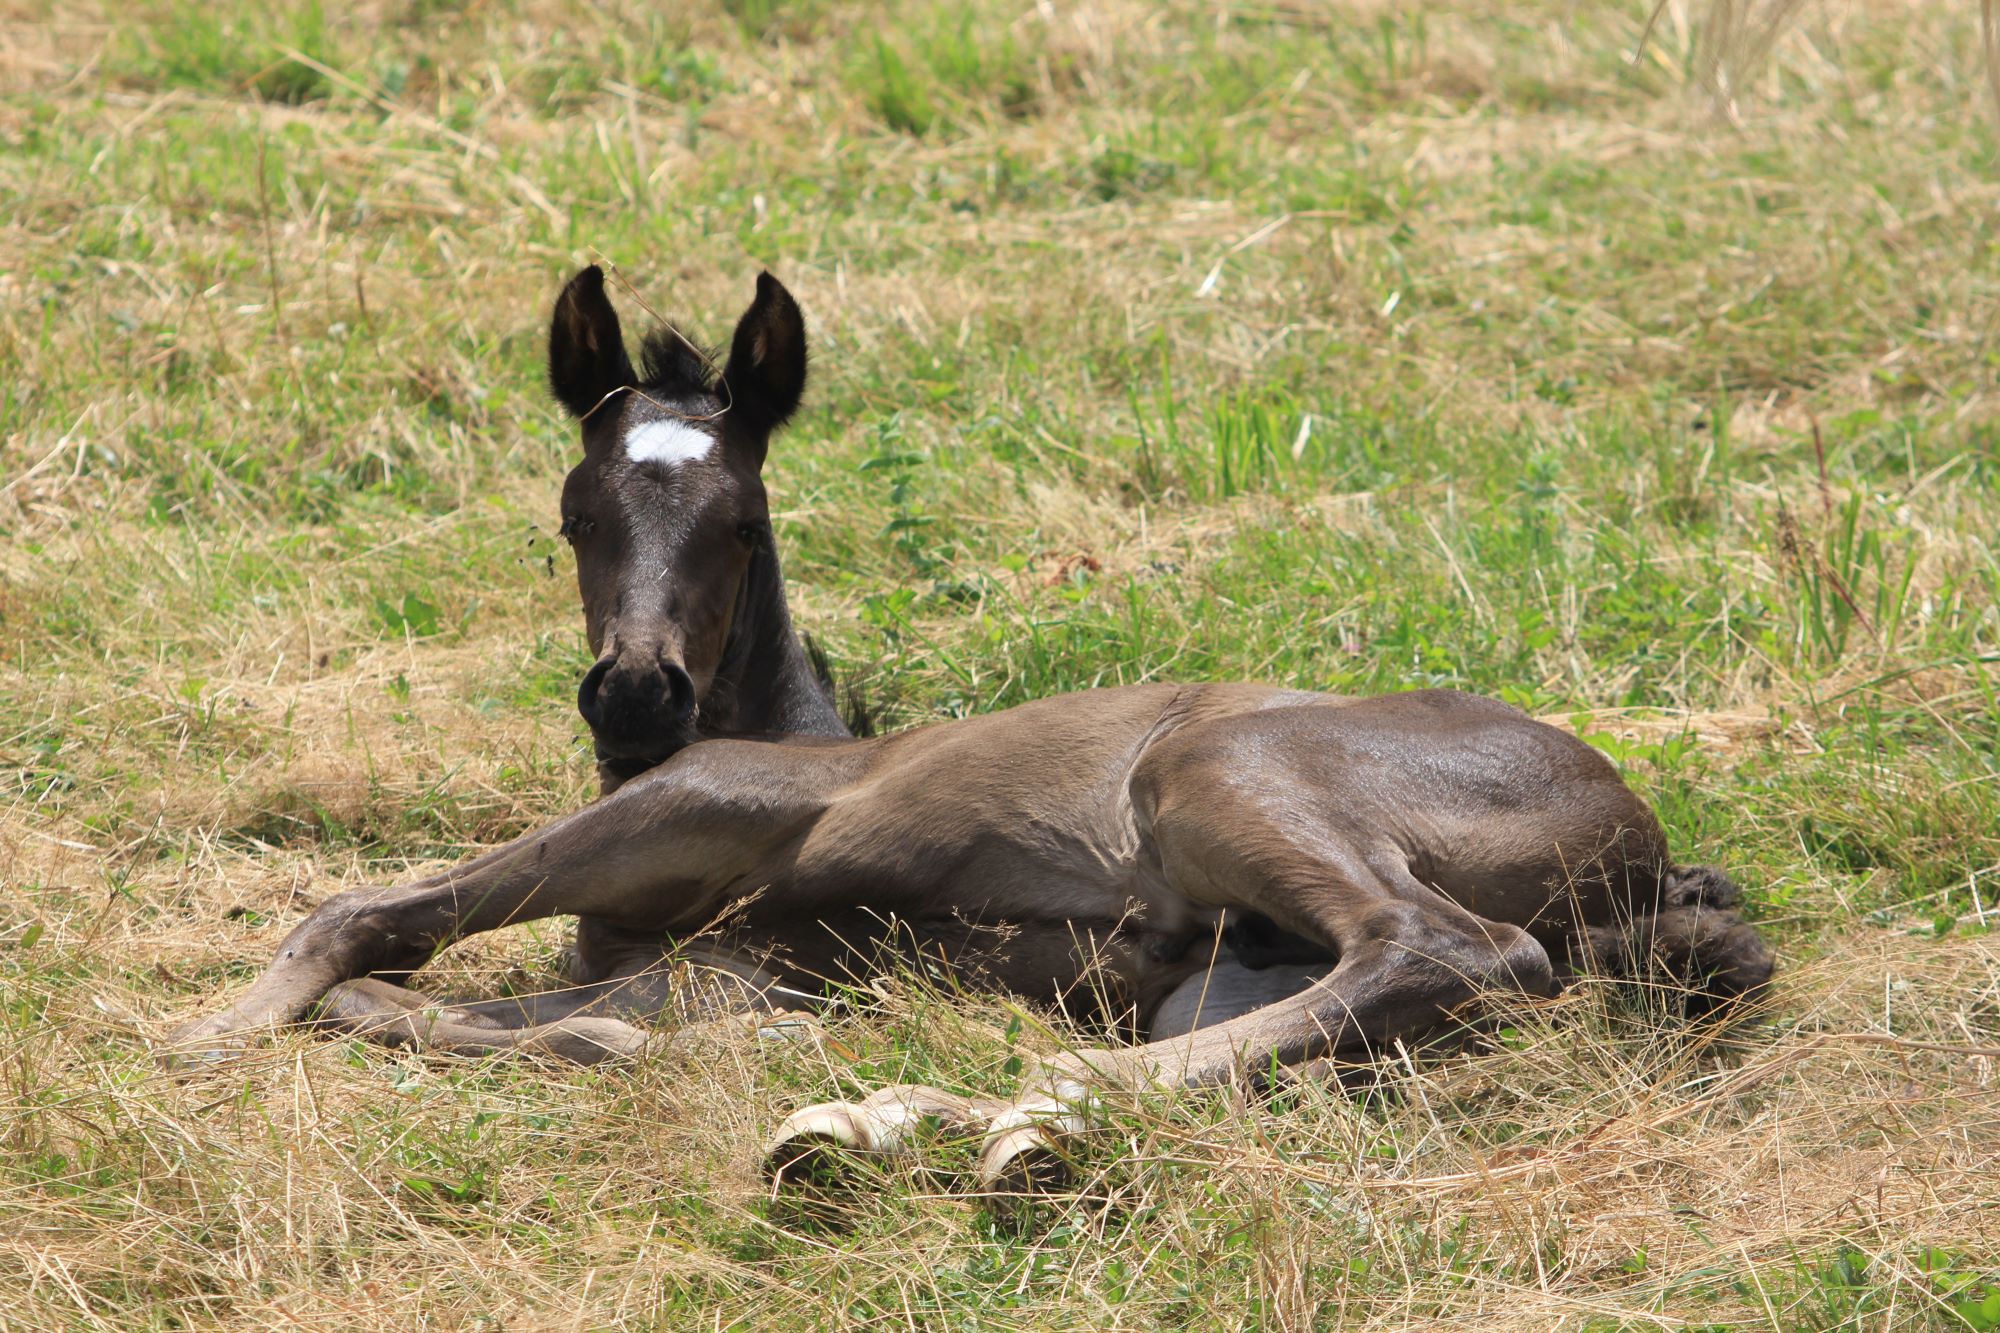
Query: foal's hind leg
x,y
1222,833
1406,957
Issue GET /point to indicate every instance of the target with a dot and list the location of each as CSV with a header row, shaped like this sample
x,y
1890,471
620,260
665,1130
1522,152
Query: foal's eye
x,y
572,528
749,533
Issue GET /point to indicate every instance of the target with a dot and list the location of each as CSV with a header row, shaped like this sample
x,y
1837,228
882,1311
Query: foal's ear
x,y
587,357
767,359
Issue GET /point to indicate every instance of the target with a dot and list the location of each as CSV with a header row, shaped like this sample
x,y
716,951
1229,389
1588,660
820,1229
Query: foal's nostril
x,y
630,704
680,693
586,693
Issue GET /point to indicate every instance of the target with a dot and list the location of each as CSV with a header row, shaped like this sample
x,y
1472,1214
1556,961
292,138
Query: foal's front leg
x,y
397,929
700,822
697,990
392,1016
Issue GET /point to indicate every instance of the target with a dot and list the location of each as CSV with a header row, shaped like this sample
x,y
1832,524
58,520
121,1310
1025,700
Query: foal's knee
x,y
356,929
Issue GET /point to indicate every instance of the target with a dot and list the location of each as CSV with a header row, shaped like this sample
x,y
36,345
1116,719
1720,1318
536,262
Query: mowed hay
x,y
1635,365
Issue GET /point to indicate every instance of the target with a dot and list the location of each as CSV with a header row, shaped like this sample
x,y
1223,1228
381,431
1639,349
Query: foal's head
x,y
667,507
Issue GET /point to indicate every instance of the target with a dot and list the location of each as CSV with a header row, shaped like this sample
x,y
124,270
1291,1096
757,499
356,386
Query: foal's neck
x,y
766,684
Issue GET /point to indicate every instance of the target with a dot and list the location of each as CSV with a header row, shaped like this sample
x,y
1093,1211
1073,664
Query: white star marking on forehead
x,y
669,442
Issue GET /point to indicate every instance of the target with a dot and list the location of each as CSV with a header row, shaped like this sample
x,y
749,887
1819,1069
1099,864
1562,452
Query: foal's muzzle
x,y
634,703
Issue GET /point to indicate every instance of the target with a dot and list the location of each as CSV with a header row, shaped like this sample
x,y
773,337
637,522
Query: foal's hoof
x,y
819,1150
587,1041
1029,1149
820,1147
192,1055
205,1043
1023,1163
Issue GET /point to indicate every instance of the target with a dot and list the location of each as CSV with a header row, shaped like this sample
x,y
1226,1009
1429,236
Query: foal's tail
x,y
1696,942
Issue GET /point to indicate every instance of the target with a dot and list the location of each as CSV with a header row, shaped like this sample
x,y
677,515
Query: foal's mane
x,y
671,362
857,710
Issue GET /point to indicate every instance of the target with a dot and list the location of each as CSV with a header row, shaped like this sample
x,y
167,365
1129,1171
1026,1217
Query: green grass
x,y
1354,349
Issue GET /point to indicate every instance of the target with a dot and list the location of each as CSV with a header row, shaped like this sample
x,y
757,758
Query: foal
x,y
1241,874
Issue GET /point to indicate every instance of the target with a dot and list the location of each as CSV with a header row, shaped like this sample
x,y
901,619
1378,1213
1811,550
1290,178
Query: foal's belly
x,y
1066,925
1094,961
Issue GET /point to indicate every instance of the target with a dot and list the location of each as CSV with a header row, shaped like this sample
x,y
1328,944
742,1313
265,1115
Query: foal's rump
x,y
1513,819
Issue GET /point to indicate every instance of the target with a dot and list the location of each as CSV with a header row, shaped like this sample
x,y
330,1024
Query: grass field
x,y
1356,346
